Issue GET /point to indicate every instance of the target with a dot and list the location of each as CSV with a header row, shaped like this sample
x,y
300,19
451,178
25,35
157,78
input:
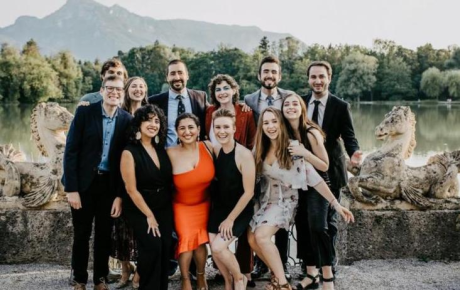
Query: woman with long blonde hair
x,y
281,176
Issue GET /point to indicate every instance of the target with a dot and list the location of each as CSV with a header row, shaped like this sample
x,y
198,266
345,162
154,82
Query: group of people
x,y
145,169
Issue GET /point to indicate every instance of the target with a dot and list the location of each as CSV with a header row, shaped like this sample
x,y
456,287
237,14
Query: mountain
x,y
91,30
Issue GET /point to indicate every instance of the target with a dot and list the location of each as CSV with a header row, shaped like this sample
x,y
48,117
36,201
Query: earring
x,y
138,135
198,139
157,139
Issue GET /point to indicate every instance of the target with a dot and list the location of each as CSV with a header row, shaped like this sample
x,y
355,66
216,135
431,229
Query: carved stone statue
x,y
384,174
37,183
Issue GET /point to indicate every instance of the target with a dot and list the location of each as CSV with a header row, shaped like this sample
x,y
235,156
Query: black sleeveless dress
x,y
155,186
227,192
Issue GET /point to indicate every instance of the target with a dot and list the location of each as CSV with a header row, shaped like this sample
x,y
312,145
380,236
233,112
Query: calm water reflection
x,y
437,128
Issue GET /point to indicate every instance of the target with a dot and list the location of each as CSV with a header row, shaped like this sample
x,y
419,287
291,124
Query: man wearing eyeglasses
x,y
92,178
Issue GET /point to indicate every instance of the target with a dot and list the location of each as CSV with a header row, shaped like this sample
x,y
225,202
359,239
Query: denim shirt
x,y
108,129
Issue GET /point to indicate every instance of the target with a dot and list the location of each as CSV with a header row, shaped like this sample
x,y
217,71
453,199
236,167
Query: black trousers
x,y
314,244
96,206
153,260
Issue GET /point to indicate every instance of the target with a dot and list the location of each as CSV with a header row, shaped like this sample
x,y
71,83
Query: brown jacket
x,y
245,125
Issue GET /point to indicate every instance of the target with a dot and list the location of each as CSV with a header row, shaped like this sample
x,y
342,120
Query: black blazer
x,y
83,150
198,100
337,124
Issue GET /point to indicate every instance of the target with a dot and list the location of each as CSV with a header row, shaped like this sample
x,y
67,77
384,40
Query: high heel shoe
x,y
124,281
313,285
328,280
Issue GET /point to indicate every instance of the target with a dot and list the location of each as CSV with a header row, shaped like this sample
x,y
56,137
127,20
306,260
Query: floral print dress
x,y
279,193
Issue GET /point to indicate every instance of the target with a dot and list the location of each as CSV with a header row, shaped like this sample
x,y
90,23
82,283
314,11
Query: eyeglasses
x,y
111,89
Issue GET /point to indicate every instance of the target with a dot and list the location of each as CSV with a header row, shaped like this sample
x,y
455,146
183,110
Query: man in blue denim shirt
x,y
92,178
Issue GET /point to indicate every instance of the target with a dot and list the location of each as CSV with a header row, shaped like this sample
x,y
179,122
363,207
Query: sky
x,y
410,23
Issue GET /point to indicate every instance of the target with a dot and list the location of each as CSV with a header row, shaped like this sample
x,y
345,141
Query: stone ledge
x,y
400,234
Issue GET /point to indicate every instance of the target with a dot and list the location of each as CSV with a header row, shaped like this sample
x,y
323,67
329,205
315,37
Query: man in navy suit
x,y
92,178
333,115
178,100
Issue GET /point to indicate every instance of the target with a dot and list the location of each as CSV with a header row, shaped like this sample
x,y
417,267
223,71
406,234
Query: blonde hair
x,y
263,143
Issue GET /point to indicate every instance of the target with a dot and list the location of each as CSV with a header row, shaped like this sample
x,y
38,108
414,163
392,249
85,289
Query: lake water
x,y
438,128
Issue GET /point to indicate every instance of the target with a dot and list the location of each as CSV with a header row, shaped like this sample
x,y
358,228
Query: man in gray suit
x,y
269,95
112,66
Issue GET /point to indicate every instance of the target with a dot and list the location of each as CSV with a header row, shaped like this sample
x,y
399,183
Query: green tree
x,y
454,61
10,64
264,45
357,76
91,79
452,82
395,80
432,83
69,75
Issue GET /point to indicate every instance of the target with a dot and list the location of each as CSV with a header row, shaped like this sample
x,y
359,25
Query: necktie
x,y
315,111
181,106
270,101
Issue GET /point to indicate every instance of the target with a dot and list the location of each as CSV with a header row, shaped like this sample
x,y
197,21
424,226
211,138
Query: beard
x,y
273,85
177,85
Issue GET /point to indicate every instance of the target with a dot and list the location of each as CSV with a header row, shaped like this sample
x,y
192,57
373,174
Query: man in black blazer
x,y
178,99
333,116
92,178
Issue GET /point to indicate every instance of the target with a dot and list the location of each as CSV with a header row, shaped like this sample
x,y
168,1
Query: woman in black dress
x,y
231,204
147,173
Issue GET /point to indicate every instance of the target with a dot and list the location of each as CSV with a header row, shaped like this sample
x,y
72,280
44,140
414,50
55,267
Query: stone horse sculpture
x,y
384,174
37,183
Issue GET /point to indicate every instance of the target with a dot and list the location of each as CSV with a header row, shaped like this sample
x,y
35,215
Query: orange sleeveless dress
x,y
191,203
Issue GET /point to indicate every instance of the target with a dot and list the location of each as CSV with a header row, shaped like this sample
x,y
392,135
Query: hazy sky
x,y
410,23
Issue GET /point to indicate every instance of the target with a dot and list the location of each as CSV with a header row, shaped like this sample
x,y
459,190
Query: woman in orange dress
x,y
193,171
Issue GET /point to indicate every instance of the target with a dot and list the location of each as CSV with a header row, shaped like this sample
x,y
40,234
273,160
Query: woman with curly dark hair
x,y
147,173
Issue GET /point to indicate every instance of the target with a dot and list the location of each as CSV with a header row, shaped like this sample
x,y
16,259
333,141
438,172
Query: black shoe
x,y
251,284
259,271
313,285
286,272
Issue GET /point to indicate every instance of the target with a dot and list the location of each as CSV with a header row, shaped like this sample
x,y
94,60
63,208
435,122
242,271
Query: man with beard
x,y
269,95
178,99
333,115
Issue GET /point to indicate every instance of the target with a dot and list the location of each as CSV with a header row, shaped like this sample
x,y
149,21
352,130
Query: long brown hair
x,y
127,102
304,123
263,143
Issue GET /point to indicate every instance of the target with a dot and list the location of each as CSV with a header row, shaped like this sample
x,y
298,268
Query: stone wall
x,y
30,236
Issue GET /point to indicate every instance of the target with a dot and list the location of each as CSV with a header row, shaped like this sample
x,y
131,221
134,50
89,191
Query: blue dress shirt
x,y
173,105
108,128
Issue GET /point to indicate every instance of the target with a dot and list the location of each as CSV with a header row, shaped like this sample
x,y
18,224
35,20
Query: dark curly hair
x,y
217,80
187,116
143,114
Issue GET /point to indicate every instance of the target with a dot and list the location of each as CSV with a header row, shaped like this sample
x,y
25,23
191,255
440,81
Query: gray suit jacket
x,y
252,100
92,97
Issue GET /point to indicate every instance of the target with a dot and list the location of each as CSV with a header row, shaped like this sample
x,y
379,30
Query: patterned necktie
x,y
315,111
181,106
270,101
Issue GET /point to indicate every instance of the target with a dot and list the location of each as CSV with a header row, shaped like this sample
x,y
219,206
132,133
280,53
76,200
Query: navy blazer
x,y
198,100
338,125
83,150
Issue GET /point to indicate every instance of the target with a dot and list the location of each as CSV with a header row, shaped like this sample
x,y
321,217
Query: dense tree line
x,y
387,71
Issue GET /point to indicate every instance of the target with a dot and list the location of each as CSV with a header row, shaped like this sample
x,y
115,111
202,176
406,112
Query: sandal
x,y
273,285
328,280
201,274
313,285
286,286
